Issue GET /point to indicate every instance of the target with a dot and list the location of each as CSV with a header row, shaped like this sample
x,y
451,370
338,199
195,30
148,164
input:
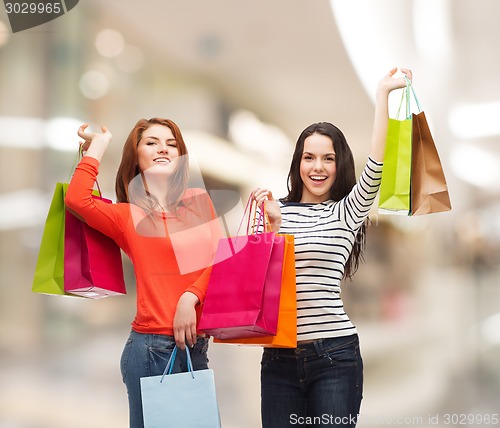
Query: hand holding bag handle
x,y
92,261
49,271
406,95
394,192
170,363
428,188
286,336
243,294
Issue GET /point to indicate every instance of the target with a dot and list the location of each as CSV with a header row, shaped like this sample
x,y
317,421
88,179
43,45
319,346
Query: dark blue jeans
x,y
316,384
147,355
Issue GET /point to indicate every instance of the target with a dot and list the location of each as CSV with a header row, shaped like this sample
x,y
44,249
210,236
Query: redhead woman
x,y
168,231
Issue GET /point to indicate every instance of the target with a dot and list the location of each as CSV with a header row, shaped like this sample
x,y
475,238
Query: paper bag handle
x,y
78,158
263,219
406,95
170,364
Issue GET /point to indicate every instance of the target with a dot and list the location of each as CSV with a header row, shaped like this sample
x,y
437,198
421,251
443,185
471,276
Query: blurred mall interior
x,y
242,79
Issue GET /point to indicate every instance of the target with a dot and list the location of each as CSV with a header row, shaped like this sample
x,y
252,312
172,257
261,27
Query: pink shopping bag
x,y
92,261
286,336
243,294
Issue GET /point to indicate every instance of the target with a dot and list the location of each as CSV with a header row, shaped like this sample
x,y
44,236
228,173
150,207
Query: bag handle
x,y
77,160
251,206
170,364
409,84
244,215
406,95
263,219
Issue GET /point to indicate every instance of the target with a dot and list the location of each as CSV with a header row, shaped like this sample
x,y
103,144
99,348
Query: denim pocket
x,y
342,353
159,355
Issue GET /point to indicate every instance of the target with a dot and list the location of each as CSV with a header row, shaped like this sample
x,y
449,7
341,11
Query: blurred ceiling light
x,y
475,120
60,134
94,84
4,34
252,135
223,161
369,43
216,157
432,27
109,43
130,60
475,166
23,208
490,329
34,133
22,132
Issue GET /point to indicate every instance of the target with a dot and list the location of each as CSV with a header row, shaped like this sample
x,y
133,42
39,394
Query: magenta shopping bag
x,y
92,261
243,293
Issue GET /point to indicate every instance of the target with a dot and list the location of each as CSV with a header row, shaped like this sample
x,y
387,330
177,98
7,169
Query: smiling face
x,y
157,150
318,168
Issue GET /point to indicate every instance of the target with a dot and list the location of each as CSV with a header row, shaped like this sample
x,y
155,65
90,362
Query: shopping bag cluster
x,y
413,181
75,259
251,295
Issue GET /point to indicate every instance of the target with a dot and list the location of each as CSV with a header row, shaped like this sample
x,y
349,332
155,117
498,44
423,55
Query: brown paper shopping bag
x,y
429,191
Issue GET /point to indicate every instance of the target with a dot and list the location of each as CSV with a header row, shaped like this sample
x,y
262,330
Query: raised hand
x,y
389,83
90,137
94,144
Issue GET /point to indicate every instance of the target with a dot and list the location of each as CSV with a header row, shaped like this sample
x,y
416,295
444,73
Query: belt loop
x,y
318,345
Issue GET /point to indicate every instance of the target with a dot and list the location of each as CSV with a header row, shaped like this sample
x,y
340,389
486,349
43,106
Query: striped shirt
x,y
324,237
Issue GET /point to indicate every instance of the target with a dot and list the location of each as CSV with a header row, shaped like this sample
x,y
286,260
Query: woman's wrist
x,y
189,297
382,92
97,149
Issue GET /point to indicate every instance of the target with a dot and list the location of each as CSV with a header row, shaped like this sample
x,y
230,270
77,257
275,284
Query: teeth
x,y
317,177
161,160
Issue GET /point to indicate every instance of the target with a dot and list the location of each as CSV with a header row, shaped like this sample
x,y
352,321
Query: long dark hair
x,y
129,166
342,185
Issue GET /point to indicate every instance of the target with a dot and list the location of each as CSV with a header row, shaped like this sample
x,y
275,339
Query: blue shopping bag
x,y
176,400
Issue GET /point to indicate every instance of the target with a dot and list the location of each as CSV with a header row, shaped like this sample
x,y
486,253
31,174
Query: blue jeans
x,y
316,384
147,355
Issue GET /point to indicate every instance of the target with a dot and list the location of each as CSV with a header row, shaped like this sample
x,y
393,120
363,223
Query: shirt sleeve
x,y
95,212
355,207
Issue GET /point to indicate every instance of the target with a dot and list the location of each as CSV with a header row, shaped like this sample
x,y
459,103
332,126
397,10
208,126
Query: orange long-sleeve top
x,y
171,253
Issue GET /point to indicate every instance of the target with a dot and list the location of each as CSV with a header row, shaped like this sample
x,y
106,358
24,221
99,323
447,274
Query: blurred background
x,y
242,79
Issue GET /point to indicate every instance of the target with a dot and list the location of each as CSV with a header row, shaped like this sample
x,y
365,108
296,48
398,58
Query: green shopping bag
x,y
396,174
49,271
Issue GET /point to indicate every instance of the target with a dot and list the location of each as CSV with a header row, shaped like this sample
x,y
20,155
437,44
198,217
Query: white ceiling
x,y
294,62
282,59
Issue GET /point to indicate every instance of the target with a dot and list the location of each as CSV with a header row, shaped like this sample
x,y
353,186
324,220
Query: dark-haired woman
x,y
169,232
320,382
